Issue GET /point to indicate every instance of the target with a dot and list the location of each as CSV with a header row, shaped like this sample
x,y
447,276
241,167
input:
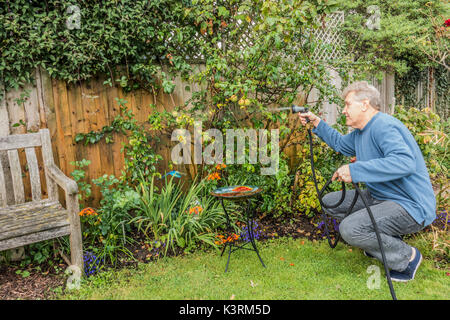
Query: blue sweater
x,y
389,162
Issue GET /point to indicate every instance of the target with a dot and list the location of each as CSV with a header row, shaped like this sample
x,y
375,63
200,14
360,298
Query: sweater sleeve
x,y
344,144
397,161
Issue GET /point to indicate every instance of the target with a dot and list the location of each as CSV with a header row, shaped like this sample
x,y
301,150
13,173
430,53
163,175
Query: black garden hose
x,y
366,204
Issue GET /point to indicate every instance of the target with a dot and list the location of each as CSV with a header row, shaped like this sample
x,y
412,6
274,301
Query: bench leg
x,y
76,243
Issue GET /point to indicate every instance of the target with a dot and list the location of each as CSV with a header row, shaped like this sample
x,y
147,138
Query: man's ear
x,y
366,105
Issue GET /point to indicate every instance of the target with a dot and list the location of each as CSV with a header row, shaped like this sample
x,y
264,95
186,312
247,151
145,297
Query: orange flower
x,y
196,210
233,237
88,212
214,176
220,166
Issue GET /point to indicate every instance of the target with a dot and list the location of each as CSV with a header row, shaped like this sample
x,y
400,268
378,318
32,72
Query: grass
x,y
296,269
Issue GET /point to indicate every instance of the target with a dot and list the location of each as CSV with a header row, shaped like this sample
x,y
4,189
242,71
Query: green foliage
x,y
244,79
128,40
432,137
260,54
177,218
326,162
106,232
79,175
395,46
38,253
406,89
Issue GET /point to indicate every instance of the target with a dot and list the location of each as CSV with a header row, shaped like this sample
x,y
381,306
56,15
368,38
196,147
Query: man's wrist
x,y
316,122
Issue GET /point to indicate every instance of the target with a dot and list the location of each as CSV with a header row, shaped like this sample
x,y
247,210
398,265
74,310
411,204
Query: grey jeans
x,y
357,229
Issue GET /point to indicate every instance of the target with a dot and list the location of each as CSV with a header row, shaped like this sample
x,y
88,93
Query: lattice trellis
x,y
330,38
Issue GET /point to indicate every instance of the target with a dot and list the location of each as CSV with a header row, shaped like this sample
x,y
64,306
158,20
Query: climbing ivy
x,y
130,40
406,87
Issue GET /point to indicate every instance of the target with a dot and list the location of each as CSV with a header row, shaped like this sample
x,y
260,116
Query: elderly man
x,y
391,165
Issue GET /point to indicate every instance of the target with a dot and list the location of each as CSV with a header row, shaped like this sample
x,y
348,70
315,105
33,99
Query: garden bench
x,y
23,223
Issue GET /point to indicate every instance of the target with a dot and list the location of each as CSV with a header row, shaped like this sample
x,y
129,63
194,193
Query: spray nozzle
x,y
296,109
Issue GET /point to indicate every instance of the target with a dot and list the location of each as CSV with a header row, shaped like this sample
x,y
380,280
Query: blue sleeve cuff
x,y
354,172
319,127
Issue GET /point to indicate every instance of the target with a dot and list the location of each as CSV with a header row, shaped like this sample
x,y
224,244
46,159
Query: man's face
x,y
353,110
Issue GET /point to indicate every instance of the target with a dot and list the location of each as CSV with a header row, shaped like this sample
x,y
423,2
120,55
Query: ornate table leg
x,y
229,231
250,217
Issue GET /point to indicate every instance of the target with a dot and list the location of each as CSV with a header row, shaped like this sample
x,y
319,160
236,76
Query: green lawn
x,y
296,269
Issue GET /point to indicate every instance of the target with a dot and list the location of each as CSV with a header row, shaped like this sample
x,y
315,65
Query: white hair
x,y
364,91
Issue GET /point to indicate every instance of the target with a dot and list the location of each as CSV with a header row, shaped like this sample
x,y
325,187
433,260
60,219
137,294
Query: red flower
x,y
447,23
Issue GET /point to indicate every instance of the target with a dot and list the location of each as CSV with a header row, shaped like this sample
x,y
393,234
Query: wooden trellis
x,y
329,36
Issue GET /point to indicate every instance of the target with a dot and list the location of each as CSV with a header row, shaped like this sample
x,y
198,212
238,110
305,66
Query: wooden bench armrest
x,y
69,185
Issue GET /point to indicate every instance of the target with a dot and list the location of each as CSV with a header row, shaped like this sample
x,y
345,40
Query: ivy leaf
x,y
223,12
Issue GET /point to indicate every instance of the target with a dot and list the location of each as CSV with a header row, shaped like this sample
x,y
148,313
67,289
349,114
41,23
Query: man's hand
x,y
343,174
311,116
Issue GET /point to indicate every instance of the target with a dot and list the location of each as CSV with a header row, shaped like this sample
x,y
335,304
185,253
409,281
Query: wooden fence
x,y
69,109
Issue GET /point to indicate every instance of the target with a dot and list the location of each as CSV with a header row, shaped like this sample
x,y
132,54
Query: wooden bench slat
x,y
16,174
3,201
26,219
33,238
17,141
47,156
35,179
27,205
18,223
52,222
23,218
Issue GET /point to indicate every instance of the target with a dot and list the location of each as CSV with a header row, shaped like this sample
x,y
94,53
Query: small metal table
x,y
233,193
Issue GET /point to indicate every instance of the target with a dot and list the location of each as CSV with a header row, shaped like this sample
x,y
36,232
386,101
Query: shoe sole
x,y
414,274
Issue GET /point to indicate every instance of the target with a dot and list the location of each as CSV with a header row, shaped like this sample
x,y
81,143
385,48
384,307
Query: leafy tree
x,y
391,35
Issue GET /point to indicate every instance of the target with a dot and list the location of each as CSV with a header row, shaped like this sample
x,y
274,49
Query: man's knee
x,y
332,198
349,232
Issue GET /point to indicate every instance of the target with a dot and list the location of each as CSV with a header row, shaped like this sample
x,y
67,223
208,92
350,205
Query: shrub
x,y
430,133
106,231
326,162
